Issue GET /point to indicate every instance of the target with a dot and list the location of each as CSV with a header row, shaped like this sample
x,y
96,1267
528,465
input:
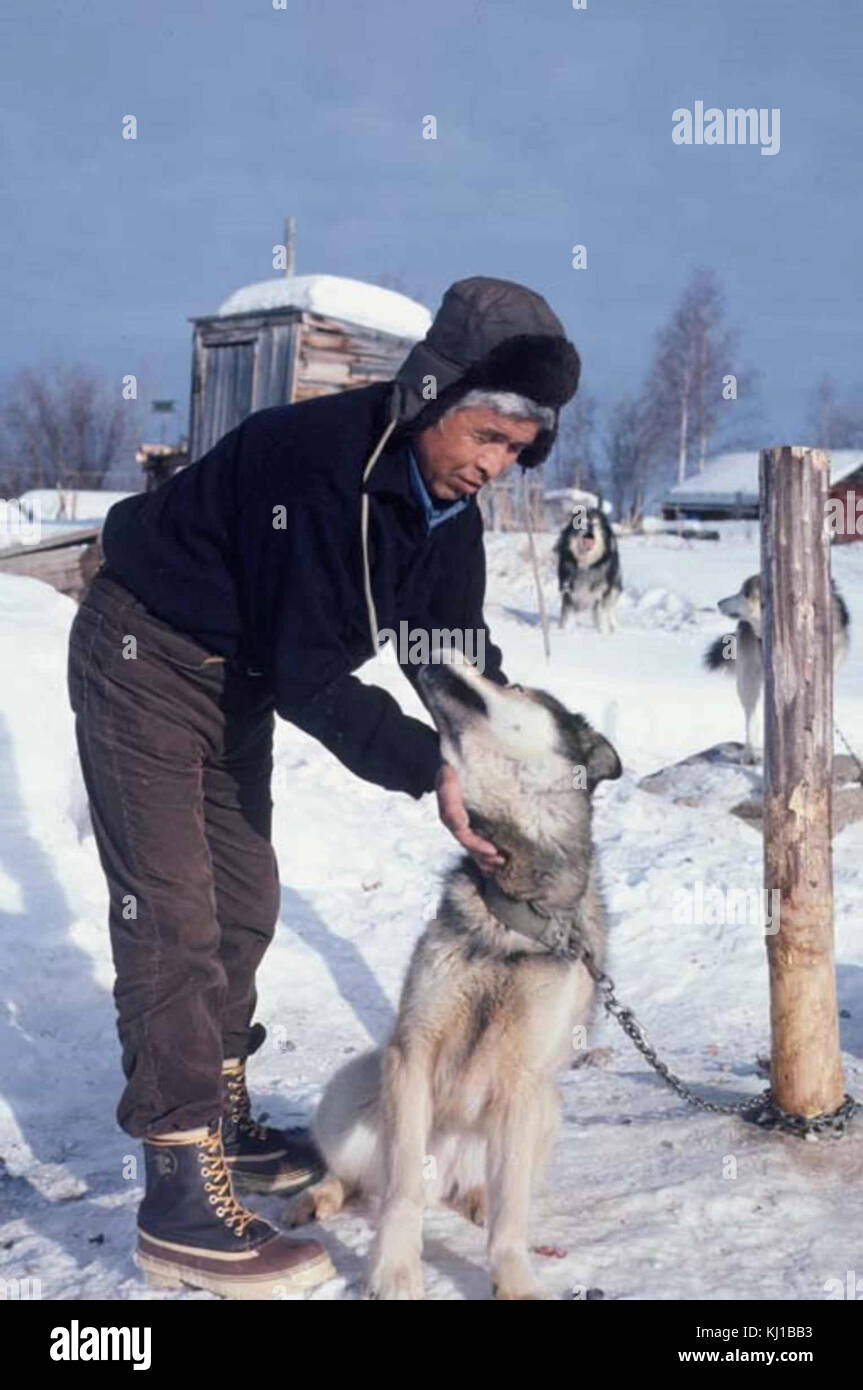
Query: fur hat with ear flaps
x,y
489,335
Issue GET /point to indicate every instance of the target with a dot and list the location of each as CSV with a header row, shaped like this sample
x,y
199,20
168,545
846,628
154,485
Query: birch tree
x,y
575,450
694,351
835,423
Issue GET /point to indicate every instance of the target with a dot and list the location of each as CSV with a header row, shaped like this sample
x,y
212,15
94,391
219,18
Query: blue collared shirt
x,y
435,511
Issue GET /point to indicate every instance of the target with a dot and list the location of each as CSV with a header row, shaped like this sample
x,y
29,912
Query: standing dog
x,y
740,652
588,567
460,1106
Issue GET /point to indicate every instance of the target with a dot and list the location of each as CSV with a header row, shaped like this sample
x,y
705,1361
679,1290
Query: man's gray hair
x,y
506,403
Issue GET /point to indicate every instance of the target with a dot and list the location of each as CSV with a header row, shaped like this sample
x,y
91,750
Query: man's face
x,y
468,448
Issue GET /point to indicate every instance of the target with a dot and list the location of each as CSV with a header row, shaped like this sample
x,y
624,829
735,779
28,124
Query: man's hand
x,y
451,810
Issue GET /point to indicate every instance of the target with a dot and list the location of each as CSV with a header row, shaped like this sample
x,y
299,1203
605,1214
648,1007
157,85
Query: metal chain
x,y
761,1110
850,750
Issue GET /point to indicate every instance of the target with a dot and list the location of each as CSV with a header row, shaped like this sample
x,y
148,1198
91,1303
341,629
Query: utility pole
x,y
290,238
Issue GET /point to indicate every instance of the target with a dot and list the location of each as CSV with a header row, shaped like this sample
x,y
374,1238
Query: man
x,y
258,580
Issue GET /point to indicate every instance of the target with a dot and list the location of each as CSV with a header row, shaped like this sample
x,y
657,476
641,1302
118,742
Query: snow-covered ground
x,y
646,1198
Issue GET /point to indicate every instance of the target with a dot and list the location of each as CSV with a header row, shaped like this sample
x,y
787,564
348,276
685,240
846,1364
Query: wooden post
x,y
290,247
806,1068
540,596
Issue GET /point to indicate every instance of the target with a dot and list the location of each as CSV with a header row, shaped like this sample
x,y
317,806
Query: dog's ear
x,y
580,744
601,761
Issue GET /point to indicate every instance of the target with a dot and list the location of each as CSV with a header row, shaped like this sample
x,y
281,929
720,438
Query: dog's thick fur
x,y
739,653
588,568
460,1106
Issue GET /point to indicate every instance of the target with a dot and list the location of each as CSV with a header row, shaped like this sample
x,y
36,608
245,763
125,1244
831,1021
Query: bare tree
x,y
575,461
633,436
61,428
693,352
835,424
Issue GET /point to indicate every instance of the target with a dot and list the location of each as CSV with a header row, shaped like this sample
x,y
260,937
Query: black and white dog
x,y
588,567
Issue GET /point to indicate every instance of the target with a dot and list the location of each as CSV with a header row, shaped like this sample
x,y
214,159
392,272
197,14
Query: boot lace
x,y
218,1185
240,1105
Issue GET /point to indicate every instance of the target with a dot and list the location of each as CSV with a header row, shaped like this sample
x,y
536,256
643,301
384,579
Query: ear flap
x,y
602,762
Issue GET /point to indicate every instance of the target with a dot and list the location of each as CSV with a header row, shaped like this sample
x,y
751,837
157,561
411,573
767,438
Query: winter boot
x,y
192,1230
261,1159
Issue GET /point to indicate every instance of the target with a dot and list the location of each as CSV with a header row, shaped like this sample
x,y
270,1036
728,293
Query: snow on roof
x,y
734,477
370,306
69,504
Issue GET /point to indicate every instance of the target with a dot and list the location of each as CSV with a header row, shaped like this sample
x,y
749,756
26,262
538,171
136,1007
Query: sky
x,y
554,129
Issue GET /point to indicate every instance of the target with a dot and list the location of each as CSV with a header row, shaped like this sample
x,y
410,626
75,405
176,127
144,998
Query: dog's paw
x,y
513,1279
317,1203
396,1283
511,1293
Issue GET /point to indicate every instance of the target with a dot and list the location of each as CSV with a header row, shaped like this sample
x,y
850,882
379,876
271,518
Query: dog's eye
x,y
516,687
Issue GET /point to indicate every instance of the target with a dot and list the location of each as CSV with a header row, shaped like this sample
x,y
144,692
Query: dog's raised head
x,y
585,535
526,765
745,604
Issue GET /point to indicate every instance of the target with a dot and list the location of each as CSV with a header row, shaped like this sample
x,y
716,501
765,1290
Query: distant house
x,y
727,490
288,339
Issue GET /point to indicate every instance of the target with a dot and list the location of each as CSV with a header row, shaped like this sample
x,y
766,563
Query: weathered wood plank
x,y
82,536
806,1067
323,369
67,567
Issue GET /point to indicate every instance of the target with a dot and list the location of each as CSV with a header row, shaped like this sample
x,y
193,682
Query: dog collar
x,y
521,915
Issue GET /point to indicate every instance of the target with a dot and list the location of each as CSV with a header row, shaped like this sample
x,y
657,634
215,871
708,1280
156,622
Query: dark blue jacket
x,y
202,553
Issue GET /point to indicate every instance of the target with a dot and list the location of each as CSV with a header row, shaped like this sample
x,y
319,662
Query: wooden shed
x,y
288,339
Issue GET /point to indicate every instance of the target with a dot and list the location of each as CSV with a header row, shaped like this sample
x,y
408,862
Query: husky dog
x,y
588,567
460,1106
740,652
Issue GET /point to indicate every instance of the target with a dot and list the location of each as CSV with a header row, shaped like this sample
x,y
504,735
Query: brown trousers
x,y
176,752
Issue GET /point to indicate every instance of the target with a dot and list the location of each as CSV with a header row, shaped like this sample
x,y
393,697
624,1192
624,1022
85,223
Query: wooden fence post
x,y
540,596
806,1067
